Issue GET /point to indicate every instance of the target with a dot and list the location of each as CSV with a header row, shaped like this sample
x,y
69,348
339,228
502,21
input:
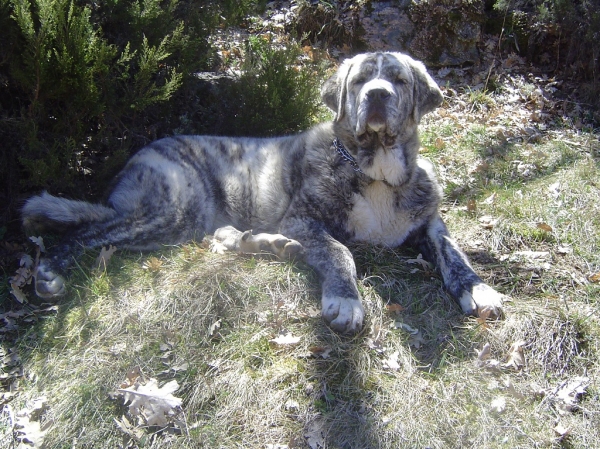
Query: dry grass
x,y
412,378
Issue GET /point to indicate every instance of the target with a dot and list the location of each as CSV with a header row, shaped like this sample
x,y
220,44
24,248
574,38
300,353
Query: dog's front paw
x,y
483,301
344,315
48,284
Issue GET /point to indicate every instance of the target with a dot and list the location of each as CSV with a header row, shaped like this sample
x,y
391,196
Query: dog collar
x,y
343,152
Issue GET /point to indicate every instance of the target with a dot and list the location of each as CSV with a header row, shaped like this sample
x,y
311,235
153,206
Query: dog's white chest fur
x,y
376,218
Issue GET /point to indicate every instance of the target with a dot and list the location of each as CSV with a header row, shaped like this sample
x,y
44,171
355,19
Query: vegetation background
x,y
85,84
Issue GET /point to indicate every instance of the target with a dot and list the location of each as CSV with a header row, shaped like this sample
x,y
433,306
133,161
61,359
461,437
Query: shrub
x,y
274,95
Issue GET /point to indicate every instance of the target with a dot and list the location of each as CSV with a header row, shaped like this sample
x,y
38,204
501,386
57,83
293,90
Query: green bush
x,y
273,95
73,95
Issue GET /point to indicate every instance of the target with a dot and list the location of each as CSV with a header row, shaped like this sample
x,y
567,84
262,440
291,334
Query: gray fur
x,y
297,194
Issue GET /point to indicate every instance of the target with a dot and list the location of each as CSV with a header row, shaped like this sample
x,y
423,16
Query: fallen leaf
x,y
483,316
286,339
18,293
485,353
472,206
490,199
28,428
104,257
29,432
130,429
393,308
562,431
405,327
213,330
594,277
487,222
516,357
392,361
498,405
26,261
153,264
155,405
315,433
544,227
133,375
320,351
39,241
420,261
566,397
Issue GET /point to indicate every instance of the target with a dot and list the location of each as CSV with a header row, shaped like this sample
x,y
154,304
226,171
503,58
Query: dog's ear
x,y
427,94
334,90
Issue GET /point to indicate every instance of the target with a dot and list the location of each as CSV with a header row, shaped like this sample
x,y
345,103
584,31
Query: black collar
x,y
343,152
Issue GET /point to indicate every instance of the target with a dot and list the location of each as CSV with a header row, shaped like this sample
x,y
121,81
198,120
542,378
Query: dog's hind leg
x,y
137,232
229,238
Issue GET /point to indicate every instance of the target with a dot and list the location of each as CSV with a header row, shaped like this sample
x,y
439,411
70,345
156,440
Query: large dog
x,y
356,179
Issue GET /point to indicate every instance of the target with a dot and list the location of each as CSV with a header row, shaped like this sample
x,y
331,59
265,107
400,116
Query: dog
x,y
358,178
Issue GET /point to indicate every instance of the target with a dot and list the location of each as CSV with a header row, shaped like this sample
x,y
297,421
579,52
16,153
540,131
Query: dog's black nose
x,y
378,94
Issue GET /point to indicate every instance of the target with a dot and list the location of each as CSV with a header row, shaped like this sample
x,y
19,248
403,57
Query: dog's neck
x,y
343,152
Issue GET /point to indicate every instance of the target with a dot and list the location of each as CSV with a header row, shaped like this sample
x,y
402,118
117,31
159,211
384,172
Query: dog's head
x,y
379,99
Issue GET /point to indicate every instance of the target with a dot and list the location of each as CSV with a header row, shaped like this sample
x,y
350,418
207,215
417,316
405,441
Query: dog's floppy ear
x,y
427,94
334,90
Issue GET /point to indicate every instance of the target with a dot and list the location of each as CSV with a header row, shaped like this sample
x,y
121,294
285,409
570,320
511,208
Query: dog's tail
x,y
47,212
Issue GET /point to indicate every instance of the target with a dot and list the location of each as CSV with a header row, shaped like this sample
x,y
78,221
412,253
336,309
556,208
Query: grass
x,y
207,321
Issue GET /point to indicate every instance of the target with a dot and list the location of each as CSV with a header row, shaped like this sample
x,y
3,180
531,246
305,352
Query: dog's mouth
x,y
376,139
373,128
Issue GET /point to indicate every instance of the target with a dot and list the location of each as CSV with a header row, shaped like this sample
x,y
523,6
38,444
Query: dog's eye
x,y
400,81
359,80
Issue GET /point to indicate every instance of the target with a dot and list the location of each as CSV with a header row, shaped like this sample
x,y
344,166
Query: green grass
x,y
240,390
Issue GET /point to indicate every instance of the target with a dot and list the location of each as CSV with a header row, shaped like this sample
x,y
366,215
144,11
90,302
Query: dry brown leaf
x,y
472,206
394,308
154,405
562,431
490,199
487,222
153,264
498,405
485,353
130,429
18,293
28,428
420,261
566,396
483,316
315,433
133,375
285,340
544,227
320,351
594,277
516,357
104,257
39,241
391,362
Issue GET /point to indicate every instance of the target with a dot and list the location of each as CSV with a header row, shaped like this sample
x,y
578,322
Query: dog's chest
x,y
377,217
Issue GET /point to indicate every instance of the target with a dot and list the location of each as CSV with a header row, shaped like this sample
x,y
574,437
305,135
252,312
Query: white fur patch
x,y
374,217
388,165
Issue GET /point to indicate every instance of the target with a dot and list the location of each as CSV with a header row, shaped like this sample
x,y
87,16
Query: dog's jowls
x,y
358,178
